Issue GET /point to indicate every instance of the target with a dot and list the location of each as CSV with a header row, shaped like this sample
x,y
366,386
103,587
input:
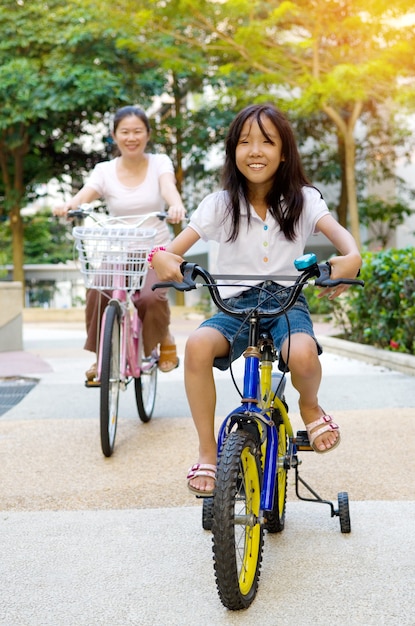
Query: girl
x,y
134,183
261,220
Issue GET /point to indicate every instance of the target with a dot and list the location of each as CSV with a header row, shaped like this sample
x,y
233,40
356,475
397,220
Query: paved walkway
x,y
88,541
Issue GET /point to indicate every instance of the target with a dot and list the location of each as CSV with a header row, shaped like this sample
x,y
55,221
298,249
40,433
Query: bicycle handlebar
x,y
85,210
320,272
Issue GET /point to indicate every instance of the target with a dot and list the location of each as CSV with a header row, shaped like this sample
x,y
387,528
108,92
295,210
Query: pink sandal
x,y
327,420
201,469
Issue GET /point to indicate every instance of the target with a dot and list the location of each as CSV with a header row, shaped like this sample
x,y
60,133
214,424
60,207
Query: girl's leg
x,y
202,347
305,369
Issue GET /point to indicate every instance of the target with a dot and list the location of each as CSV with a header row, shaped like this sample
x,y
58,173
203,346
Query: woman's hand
x,y
176,213
62,210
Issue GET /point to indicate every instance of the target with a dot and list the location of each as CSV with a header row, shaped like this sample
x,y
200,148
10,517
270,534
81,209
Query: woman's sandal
x,y
327,420
168,354
201,469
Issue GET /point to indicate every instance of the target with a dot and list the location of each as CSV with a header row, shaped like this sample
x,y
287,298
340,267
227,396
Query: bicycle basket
x,y
113,257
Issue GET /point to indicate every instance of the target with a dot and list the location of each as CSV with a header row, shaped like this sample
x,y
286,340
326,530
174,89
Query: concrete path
x,y
89,541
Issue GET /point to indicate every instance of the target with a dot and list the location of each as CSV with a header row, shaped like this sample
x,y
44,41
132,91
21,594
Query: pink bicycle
x,y
113,257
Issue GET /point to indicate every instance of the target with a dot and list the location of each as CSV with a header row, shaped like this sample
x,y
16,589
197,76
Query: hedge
x,y
382,314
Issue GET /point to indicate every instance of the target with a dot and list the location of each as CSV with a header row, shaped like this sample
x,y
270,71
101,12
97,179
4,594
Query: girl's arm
x,y
172,198
348,264
167,262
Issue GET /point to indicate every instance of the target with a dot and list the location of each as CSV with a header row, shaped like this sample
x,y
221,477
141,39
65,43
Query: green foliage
x,y
61,71
318,306
46,240
383,313
382,217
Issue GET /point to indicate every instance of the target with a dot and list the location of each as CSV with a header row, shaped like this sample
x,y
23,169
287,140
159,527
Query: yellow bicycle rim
x,y
252,541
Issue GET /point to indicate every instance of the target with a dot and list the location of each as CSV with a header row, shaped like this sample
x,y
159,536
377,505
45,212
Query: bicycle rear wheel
x,y
110,378
146,388
275,519
236,528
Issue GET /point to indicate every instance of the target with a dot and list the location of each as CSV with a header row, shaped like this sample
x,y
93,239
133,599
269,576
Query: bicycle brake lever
x,y
324,279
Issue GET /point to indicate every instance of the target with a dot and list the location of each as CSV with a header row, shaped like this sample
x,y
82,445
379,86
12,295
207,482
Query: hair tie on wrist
x,y
152,253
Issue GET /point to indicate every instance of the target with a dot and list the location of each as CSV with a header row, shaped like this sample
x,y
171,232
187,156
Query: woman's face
x,y
258,157
131,136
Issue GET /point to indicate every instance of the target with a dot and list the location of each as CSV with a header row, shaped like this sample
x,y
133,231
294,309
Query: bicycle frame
x,y
130,334
257,404
114,258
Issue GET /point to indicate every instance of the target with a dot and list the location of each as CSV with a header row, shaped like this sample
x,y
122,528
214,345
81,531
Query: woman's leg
x,y
95,307
202,347
154,311
305,369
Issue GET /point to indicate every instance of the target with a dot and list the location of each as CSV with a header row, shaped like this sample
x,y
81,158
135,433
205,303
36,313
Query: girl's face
x,y
257,156
131,136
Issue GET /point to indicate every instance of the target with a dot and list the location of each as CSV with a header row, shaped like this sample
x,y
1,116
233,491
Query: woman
x,y
136,182
261,220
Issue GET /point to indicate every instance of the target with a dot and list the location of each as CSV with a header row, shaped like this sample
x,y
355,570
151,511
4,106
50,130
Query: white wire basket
x,y
114,257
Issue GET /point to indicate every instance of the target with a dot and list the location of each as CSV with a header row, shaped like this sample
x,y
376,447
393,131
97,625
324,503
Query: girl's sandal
x,y
201,469
328,424
168,355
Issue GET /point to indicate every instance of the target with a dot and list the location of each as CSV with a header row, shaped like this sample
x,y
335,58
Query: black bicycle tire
x,y
145,392
110,378
275,518
207,513
237,568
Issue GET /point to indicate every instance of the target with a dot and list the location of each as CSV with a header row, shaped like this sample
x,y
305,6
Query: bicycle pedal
x,y
302,442
92,383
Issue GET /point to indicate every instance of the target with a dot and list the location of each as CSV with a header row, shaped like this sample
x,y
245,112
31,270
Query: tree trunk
x,y
346,126
16,225
350,151
13,183
342,203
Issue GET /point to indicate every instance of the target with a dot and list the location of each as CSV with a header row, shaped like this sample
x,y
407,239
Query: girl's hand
x,y
176,213
341,267
167,266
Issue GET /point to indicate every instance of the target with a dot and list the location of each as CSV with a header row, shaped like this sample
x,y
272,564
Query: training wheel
x,y
343,512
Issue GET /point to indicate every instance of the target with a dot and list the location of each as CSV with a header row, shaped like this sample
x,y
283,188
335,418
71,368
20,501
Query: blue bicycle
x,y
256,442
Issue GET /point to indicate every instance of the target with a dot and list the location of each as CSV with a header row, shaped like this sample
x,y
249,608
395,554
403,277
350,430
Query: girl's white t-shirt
x,y
260,249
121,200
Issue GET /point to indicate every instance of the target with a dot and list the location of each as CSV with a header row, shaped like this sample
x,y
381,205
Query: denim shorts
x,y
269,297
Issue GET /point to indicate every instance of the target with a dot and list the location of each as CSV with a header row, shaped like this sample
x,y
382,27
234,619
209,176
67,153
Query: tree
x,y
46,239
187,123
382,218
337,57
60,72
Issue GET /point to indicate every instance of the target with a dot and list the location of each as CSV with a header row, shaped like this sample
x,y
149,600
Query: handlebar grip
x,y
187,269
324,279
76,213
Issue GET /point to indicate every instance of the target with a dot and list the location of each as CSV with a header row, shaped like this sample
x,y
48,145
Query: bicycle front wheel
x,y
237,531
110,378
146,388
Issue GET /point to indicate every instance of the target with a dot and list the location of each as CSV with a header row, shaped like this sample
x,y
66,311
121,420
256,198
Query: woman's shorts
x,y
270,297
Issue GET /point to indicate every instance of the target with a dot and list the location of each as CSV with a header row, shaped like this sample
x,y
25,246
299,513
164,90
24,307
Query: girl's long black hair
x,y
285,199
